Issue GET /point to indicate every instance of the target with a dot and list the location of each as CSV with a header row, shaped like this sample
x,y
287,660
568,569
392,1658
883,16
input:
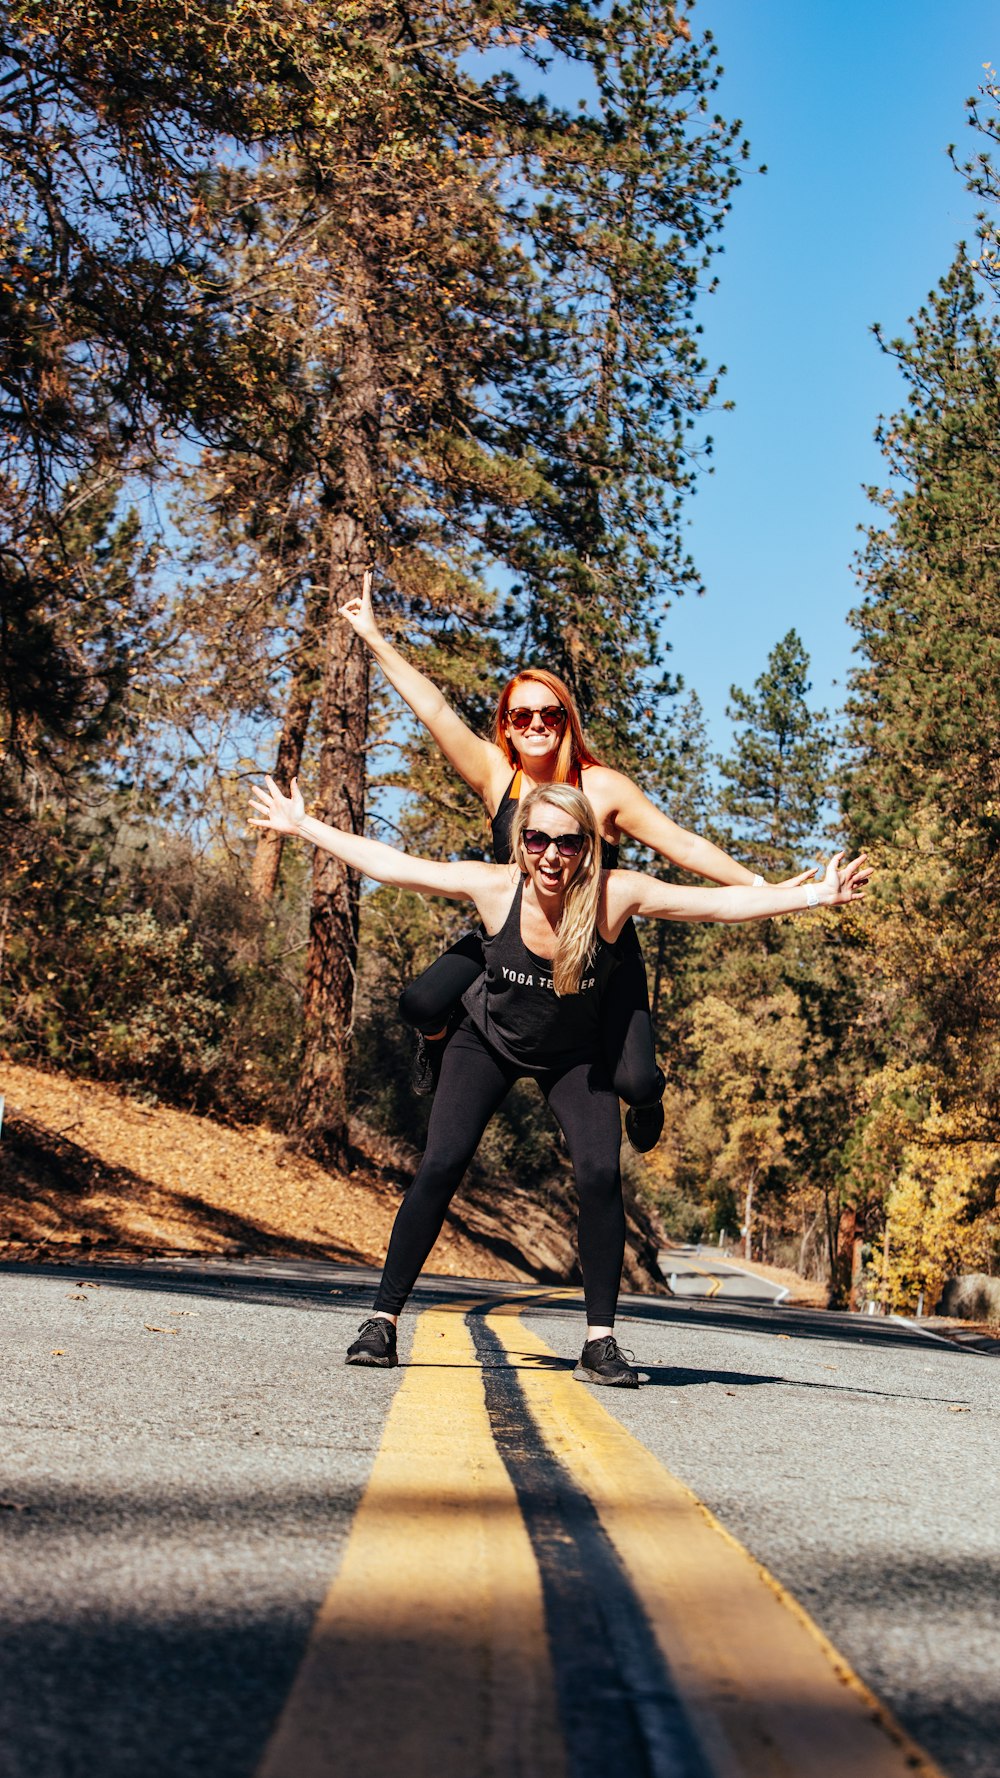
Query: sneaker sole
x,y
646,1145
382,1364
583,1375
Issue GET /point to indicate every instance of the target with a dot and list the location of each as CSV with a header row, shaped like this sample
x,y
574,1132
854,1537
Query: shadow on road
x,y
674,1376
318,1284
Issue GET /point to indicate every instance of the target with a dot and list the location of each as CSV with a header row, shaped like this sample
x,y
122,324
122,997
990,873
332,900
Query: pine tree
x,y
441,326
982,176
683,783
415,412
777,777
931,618
631,199
925,777
753,1019
380,278
924,780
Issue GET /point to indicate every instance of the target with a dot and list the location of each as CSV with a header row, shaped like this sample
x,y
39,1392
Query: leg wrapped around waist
x,y
429,1002
628,1028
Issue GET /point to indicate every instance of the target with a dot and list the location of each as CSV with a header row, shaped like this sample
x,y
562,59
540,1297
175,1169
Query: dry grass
x,y
83,1166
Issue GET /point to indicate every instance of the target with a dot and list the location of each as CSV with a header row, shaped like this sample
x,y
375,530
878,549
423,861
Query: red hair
x,y
573,749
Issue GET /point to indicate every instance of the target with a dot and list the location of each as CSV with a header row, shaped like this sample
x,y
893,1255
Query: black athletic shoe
x,y
426,1070
644,1126
603,1361
375,1344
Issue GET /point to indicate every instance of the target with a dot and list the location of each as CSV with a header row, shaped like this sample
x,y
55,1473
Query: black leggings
x,y
475,1079
627,1028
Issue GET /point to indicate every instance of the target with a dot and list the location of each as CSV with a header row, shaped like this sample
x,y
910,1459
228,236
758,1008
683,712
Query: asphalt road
x,y
702,1272
184,1454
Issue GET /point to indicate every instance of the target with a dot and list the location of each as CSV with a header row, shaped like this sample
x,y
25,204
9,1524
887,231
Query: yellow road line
x,y
717,1282
766,1692
429,1656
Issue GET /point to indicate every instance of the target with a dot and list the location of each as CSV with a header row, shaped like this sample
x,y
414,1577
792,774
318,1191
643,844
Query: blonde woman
x,y
550,921
538,740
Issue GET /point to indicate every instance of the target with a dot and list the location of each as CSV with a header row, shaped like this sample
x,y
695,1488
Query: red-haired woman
x,y
551,920
538,739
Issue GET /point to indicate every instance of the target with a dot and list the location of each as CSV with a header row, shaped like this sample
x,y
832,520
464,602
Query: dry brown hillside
x,y
83,1168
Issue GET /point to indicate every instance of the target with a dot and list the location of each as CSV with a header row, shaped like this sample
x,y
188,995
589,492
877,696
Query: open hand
x,y
845,882
281,814
359,612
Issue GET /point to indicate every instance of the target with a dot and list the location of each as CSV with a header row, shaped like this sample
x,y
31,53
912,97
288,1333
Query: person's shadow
x,y
675,1376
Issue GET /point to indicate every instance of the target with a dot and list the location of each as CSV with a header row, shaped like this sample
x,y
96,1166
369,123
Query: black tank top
x,y
503,821
515,1006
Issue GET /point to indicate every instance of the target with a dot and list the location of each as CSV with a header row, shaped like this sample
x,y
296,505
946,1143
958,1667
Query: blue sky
x,y
852,107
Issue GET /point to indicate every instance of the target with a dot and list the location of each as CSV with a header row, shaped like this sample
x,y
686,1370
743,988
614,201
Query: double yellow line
x,y
432,1657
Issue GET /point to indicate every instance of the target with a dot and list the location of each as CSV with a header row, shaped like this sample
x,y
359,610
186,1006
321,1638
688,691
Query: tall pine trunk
x,y
301,696
321,1108
320,1114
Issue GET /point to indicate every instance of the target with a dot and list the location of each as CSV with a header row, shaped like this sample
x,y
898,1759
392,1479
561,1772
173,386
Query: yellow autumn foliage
x,y
941,1214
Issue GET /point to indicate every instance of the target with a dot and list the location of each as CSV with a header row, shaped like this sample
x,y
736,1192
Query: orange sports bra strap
x,y
575,780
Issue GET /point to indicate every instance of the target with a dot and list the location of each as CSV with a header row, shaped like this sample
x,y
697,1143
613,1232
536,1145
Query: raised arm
x,y
477,760
460,881
632,892
635,815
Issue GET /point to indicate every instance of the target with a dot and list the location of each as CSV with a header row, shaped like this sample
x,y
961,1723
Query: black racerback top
x,y
503,821
515,1006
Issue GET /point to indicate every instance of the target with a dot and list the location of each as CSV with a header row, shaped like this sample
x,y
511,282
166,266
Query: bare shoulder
x,y
607,789
494,892
491,876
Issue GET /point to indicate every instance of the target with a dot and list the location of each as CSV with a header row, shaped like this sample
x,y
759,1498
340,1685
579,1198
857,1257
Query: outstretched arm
x,y
461,881
477,760
643,821
631,892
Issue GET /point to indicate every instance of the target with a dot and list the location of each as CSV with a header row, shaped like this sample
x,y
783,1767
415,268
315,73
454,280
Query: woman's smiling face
x,y
551,871
535,706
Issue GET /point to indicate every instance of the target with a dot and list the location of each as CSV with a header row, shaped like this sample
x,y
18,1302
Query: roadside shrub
x,y
152,1018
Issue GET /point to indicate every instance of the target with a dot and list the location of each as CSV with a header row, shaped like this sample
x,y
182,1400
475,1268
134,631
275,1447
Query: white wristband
x,y
812,895
758,882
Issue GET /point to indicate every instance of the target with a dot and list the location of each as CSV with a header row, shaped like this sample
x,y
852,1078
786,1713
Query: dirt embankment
x,y
85,1170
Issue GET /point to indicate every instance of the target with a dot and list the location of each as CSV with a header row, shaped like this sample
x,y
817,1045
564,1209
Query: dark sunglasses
x,y
553,716
566,844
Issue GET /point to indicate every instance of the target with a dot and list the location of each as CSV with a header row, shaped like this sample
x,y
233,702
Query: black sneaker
x,y
426,1070
603,1361
375,1344
644,1126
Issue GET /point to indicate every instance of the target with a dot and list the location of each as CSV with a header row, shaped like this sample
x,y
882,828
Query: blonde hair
x,y
578,923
